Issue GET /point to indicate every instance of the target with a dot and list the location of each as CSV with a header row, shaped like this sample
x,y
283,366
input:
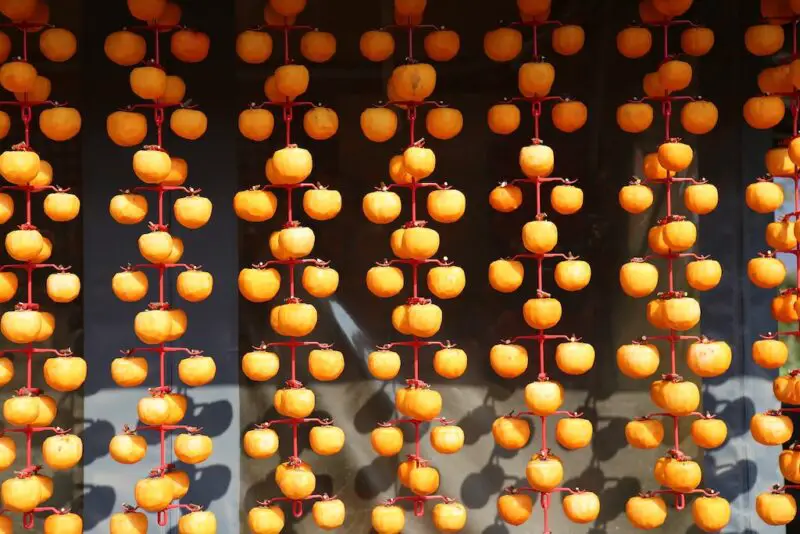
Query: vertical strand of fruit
x,y
30,411
670,240
765,196
415,244
509,359
287,169
160,323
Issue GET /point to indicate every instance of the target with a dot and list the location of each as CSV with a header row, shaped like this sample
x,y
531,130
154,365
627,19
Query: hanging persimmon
x,y
8,286
321,123
674,155
766,272
197,370
709,433
153,494
703,274
129,371
515,508
320,281
769,429
189,124
388,519
190,46
699,117
649,14
635,117
192,448
153,326
708,359
764,196
450,362
544,397
156,246
444,123
19,165
254,47
152,164
22,325
129,286
148,82
701,199
634,42
644,433
127,448
776,80
24,244
398,172
697,41
265,518
414,82
652,168
780,235
569,116
326,440
21,494
255,205
675,75
511,432
125,48
57,44
449,517
635,197
536,160
581,507
423,403
65,373
260,443
126,128
378,124
776,508
778,162
446,282
446,205
292,164
288,8
505,198
383,364
325,365
376,45
5,124
574,432
682,475
638,360
17,76
387,440
647,513
783,308
21,410
503,119
508,360
764,112
764,39
317,46
544,472
385,281
681,313
442,45
540,236
192,211
291,80
535,78
574,357
502,44
8,453
62,451
260,365
568,39
328,513
566,199
295,319
572,274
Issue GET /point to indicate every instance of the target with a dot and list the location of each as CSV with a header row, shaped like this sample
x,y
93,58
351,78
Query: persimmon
x,y
644,433
515,508
544,397
62,451
387,441
708,359
574,357
647,513
638,278
508,360
539,236
446,282
770,429
127,448
506,275
511,432
326,440
325,364
574,432
544,472
709,433
260,443
502,44
383,364
447,439
776,508
449,517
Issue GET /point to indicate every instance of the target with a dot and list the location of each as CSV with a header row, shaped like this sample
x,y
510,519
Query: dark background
x,y
222,162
